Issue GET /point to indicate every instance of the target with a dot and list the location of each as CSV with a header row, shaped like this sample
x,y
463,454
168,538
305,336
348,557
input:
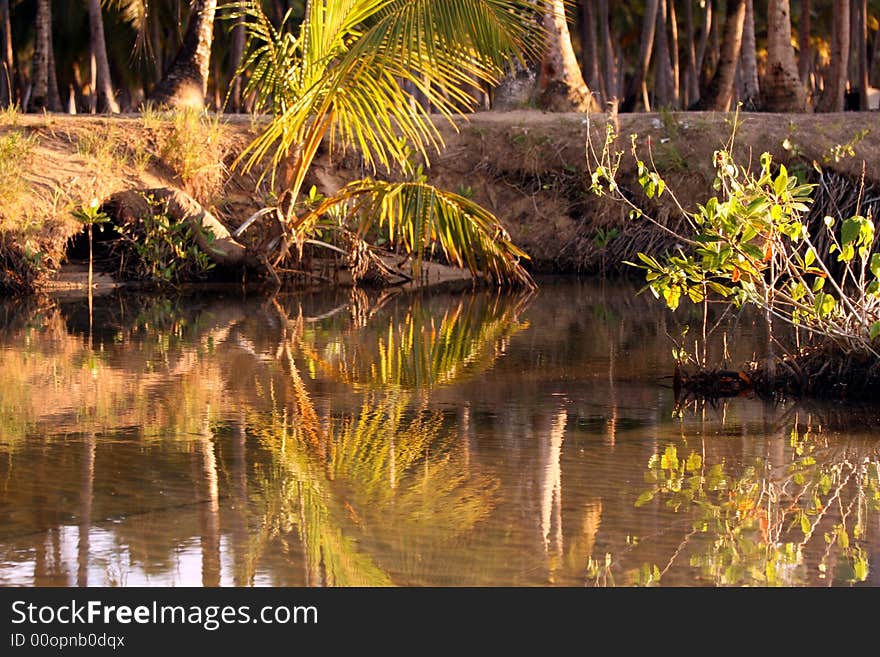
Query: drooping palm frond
x,y
417,215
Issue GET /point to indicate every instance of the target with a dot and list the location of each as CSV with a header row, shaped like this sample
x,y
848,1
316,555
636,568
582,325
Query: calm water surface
x,y
396,439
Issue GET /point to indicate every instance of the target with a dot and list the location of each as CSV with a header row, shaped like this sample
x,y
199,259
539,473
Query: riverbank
x,y
528,167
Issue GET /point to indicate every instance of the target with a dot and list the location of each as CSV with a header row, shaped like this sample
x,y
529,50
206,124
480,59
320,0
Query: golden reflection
x,y
417,348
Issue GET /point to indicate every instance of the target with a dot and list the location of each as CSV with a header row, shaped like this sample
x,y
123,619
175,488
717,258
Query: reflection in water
x,y
382,439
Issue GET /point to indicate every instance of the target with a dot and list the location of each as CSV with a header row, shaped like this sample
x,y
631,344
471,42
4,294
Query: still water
x,y
368,439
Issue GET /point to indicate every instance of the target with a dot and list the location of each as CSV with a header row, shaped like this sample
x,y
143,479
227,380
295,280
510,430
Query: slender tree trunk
x,y
676,61
44,92
805,56
749,63
609,72
691,81
7,69
54,93
646,47
836,78
590,50
862,54
702,70
719,92
874,75
104,86
235,55
561,87
186,82
663,79
782,90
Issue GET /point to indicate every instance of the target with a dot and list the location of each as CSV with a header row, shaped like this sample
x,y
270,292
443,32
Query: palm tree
x,y
646,47
751,90
781,88
44,91
719,93
561,84
340,77
837,74
186,82
7,70
106,99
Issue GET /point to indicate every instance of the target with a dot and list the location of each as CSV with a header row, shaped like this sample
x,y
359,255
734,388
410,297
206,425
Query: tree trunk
x,y
561,87
707,26
54,95
7,70
691,81
836,77
861,49
186,82
719,92
805,56
104,86
42,95
676,61
749,62
782,90
609,70
210,234
590,50
646,47
235,55
663,78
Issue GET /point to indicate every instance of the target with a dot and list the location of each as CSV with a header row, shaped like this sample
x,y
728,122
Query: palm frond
x,y
418,215
355,55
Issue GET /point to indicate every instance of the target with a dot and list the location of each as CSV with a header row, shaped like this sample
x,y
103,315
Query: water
x,y
395,439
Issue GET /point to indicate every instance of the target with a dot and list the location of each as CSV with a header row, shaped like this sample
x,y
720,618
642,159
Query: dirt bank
x,y
528,167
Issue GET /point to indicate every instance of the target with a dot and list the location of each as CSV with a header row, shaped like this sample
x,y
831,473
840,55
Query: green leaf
x,y
781,182
672,295
875,330
809,257
874,266
850,230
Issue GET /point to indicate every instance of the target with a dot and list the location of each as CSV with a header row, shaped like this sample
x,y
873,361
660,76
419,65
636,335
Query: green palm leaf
x,y
418,215
342,78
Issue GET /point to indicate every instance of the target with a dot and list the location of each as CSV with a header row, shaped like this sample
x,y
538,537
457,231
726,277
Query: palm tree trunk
x,y
561,85
691,81
862,53
676,61
235,55
706,28
806,55
44,94
646,47
186,82
836,76
54,95
590,50
749,62
7,88
104,85
782,88
663,78
609,71
719,92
